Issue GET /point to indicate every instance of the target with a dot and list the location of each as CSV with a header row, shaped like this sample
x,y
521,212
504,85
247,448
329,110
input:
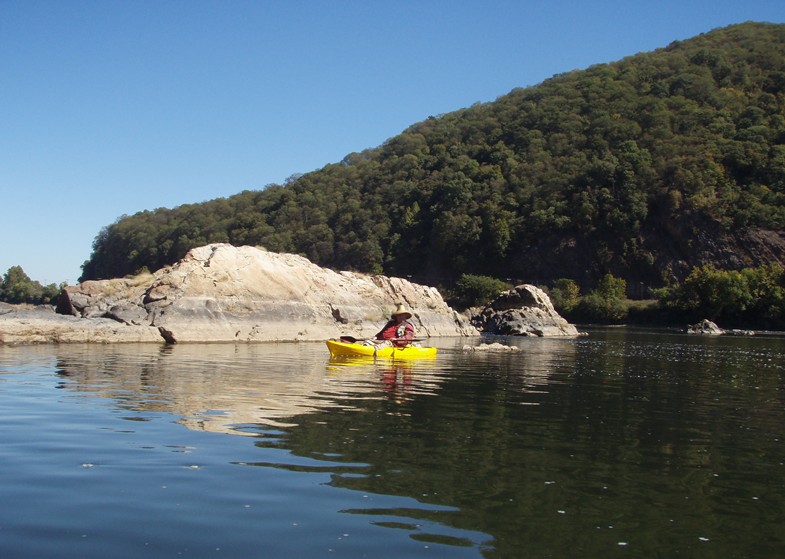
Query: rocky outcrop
x,y
222,293
21,324
525,310
709,328
705,327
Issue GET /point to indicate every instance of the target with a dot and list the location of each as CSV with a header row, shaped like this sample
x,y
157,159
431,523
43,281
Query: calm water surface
x,y
619,444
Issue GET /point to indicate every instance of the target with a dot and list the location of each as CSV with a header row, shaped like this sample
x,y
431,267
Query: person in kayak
x,y
398,331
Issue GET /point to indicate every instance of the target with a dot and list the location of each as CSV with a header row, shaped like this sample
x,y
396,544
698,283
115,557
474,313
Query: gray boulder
x,y
524,310
705,327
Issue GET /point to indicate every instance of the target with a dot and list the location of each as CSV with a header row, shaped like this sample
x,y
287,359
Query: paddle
x,y
352,340
348,339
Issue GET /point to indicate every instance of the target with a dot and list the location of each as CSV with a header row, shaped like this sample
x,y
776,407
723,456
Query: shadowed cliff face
x,y
679,245
674,247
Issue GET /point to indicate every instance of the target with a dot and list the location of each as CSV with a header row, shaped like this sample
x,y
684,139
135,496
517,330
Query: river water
x,y
623,443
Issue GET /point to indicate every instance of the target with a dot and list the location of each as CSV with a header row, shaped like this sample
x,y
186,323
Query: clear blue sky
x,y
111,107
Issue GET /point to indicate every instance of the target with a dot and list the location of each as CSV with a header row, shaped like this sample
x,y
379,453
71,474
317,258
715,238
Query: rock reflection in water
x,y
211,387
216,387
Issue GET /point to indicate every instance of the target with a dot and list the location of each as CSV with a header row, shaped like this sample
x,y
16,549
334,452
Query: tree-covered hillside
x,y
643,168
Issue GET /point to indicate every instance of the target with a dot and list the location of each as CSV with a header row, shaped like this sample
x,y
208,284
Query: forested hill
x,y
642,168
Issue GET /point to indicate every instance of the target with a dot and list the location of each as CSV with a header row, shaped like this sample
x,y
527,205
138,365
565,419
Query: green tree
x,y
473,290
748,297
767,289
611,287
605,303
17,287
565,295
715,294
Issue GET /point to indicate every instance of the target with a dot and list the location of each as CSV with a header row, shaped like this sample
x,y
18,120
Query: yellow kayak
x,y
347,349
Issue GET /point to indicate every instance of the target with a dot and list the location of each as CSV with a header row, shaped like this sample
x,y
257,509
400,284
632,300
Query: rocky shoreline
x,y
222,293
23,324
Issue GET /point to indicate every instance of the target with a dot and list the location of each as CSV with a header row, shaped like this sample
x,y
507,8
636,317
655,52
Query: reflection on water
x,y
218,387
623,442
215,387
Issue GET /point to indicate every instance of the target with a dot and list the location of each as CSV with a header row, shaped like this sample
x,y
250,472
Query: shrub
x,y
611,287
472,290
565,295
595,307
716,294
607,303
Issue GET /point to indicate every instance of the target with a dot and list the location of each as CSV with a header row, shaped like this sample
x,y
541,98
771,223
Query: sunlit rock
x,y
222,293
525,310
23,325
705,327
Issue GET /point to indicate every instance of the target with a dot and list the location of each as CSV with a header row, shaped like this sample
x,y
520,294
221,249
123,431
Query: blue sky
x,y
112,107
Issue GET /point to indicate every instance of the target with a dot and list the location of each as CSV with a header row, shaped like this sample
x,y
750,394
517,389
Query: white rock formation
x,y
222,293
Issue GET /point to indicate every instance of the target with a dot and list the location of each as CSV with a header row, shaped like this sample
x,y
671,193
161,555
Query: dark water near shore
x,y
623,443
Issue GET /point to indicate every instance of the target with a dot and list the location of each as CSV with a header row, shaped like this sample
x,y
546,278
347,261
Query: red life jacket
x,y
404,330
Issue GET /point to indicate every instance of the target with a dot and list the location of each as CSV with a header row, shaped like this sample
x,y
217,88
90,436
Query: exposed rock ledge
x,y
21,324
221,293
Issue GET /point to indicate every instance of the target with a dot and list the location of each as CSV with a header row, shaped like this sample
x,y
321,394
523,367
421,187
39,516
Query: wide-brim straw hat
x,y
401,310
